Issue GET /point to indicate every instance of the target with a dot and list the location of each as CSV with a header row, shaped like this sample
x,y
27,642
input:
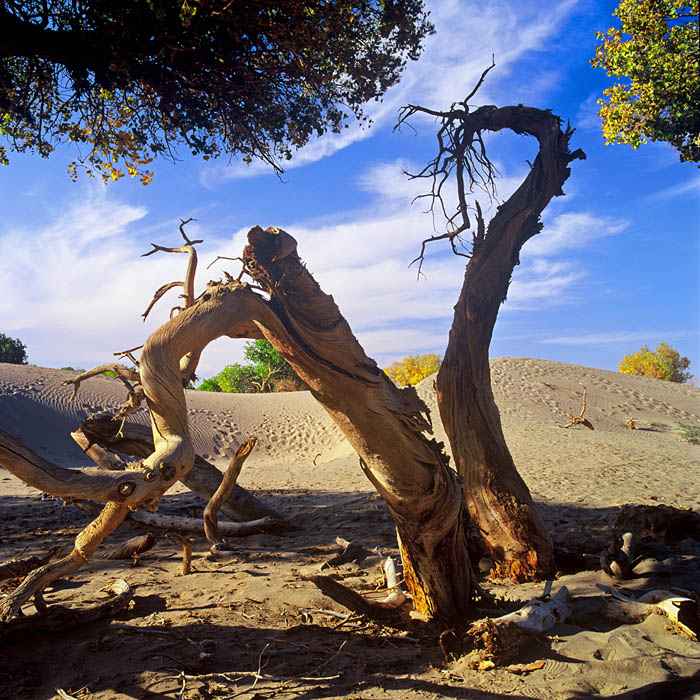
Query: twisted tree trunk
x,y
499,502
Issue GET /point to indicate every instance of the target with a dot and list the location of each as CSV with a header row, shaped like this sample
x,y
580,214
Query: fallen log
x,y
196,526
132,548
57,617
680,610
498,640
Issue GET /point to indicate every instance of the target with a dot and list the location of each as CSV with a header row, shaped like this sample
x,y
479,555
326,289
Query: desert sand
x,y
206,635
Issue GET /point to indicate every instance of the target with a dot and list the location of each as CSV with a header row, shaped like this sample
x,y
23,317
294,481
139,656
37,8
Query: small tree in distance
x,y
663,363
12,350
414,368
268,371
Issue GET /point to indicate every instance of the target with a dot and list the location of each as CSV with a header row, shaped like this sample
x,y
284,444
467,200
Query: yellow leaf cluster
x,y
414,368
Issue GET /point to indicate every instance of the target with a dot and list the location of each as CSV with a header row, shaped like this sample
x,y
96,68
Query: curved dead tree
x,y
385,424
499,502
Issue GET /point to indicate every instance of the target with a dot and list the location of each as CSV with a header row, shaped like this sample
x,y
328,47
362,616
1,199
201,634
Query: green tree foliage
x,y
267,371
135,79
209,385
656,51
414,368
12,350
663,363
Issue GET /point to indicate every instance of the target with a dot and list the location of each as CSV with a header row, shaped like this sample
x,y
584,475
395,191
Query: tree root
x,y
57,617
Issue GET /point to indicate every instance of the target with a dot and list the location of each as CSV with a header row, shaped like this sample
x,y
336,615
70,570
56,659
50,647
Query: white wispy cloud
x,y
619,337
74,289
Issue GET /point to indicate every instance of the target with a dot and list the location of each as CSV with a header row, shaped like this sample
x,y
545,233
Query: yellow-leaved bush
x,y
663,363
413,368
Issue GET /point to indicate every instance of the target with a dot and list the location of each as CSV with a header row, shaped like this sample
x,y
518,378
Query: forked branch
x,y
579,419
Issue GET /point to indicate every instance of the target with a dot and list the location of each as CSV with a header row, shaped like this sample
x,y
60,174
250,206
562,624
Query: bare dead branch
x,y
221,494
579,419
120,370
159,293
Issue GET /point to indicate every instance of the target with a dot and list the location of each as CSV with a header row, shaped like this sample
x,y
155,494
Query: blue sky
x,y
615,267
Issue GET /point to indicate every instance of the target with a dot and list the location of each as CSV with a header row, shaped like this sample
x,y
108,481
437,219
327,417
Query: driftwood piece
x,y
16,568
498,640
387,610
211,529
380,611
196,526
132,548
57,617
203,478
579,419
680,610
186,550
618,559
351,552
87,541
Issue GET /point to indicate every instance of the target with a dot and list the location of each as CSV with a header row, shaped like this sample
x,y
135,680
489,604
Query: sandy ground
x,y
205,635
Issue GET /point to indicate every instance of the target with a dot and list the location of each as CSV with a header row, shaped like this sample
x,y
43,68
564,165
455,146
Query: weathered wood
x,y
386,612
386,425
499,502
203,478
658,522
680,610
196,526
499,640
16,568
91,483
58,618
618,559
85,545
186,544
132,548
211,529
351,552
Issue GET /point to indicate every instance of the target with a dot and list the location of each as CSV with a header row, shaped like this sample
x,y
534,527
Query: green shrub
x,y
267,371
12,350
690,433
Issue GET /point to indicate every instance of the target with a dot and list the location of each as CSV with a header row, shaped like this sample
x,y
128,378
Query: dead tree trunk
x,y
386,425
499,502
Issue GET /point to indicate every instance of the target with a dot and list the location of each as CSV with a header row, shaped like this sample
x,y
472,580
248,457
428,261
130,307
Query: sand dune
x,y
304,466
